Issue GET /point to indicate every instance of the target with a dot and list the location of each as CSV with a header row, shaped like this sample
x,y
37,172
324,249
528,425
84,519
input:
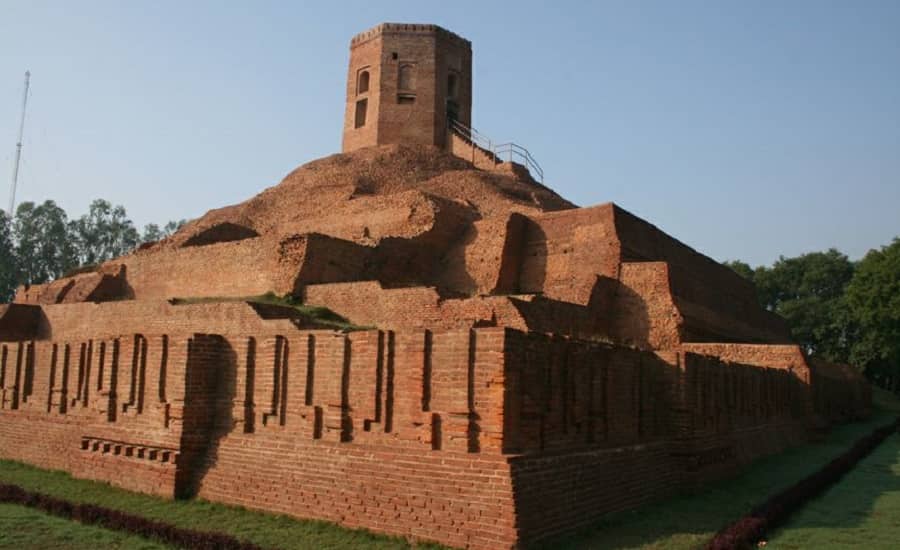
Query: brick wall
x,y
565,252
719,305
488,258
88,320
486,438
106,409
19,321
839,392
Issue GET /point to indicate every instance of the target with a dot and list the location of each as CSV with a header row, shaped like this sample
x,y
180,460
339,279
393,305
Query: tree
x,y
873,301
105,232
153,233
808,291
741,268
8,262
43,247
173,226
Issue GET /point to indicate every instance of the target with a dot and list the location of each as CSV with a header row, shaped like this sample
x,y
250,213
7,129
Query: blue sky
x,y
746,129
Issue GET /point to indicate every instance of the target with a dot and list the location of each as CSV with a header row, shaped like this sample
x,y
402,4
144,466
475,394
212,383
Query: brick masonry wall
x,y
556,494
646,313
486,438
88,320
105,409
19,322
488,258
721,305
839,393
397,432
566,251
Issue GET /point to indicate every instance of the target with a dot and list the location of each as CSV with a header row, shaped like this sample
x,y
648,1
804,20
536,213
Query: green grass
x,y
689,520
321,315
860,511
267,530
23,528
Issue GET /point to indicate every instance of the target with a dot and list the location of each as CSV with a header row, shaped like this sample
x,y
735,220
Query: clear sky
x,y
746,129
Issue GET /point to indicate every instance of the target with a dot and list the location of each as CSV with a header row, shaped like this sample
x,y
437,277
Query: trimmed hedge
x,y
90,514
752,528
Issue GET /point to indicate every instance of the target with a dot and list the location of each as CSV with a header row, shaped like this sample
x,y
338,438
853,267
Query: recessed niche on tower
x,y
361,108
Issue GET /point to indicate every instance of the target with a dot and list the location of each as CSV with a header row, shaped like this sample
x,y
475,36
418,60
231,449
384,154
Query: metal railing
x,y
503,152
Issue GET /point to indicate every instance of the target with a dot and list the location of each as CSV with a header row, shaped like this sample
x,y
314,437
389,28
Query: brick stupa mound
x,y
528,366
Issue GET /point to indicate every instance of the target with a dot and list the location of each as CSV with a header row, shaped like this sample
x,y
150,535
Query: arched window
x,y
362,82
452,85
407,78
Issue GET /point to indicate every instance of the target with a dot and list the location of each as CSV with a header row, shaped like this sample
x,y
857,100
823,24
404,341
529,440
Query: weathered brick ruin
x,y
533,365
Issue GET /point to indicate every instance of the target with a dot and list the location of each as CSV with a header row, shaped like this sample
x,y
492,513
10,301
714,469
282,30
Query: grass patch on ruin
x,y
860,511
25,528
321,315
263,529
689,520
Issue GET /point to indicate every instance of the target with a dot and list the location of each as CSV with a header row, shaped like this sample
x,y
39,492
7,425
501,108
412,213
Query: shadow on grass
x,y
689,520
863,509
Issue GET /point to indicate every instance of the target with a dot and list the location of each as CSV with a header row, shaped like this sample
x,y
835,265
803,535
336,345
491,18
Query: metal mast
x,y
15,174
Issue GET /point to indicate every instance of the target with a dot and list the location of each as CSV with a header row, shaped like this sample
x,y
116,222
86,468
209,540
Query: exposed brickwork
x,y
535,365
403,83
19,321
490,417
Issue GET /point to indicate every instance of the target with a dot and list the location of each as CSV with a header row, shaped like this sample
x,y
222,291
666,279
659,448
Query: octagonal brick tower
x,y
405,82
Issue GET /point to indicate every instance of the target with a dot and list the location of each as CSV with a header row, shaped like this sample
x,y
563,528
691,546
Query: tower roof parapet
x,y
406,28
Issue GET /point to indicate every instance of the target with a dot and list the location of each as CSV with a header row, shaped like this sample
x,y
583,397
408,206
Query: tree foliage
x,y
8,262
105,232
153,233
841,311
808,291
43,247
41,244
873,301
741,268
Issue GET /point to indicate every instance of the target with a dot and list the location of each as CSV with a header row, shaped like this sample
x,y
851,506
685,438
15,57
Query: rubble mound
x,y
337,196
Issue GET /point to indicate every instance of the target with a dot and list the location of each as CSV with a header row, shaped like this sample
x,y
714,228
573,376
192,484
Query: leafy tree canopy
x,y
41,244
43,247
105,232
8,262
873,301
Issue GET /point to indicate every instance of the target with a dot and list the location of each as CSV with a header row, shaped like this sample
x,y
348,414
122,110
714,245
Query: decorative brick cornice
x,y
406,28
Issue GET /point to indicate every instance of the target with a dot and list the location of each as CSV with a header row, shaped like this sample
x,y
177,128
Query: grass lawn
x,y
26,529
860,511
688,521
267,530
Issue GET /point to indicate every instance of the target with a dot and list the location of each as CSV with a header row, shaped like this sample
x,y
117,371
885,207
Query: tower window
x,y
406,99
361,107
362,82
452,85
407,77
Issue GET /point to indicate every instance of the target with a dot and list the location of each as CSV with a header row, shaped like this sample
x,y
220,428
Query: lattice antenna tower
x,y
15,174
